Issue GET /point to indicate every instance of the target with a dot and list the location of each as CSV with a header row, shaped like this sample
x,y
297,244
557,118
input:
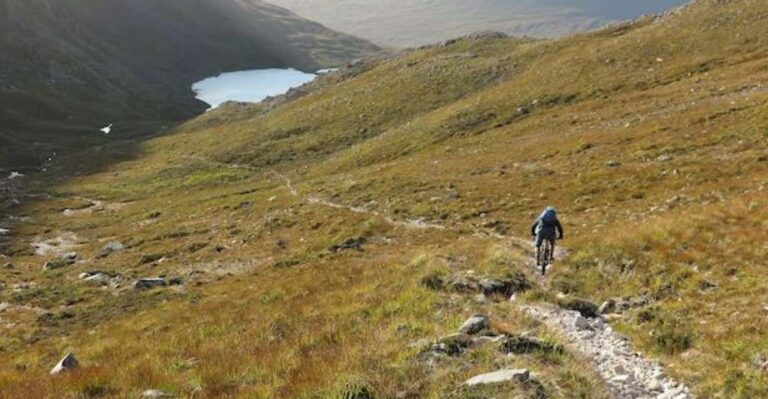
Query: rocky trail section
x,y
628,374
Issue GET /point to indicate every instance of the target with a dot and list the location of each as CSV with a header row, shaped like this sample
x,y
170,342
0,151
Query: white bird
x,y
107,129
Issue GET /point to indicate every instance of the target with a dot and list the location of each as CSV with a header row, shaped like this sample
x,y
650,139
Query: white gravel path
x,y
628,374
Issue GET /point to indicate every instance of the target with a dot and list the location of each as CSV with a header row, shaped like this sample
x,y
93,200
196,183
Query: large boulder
x,y
501,376
67,363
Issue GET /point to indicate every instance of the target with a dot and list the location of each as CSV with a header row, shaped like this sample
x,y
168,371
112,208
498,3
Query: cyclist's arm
x,y
533,227
559,230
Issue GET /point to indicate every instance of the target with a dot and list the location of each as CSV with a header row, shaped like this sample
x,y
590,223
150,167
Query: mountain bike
x,y
545,255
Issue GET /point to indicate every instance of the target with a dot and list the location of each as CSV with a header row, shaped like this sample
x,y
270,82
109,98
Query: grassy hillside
x,y
404,23
71,68
649,137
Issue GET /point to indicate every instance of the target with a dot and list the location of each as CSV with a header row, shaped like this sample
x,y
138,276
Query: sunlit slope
x,y
649,138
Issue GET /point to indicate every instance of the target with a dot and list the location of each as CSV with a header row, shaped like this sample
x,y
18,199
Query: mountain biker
x,y
547,227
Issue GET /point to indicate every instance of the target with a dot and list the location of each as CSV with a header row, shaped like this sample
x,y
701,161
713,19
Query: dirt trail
x,y
311,199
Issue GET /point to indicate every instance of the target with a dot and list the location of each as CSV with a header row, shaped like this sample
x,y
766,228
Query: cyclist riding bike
x,y
546,227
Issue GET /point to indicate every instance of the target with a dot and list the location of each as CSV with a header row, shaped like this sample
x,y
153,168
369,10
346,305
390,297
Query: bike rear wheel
x,y
545,256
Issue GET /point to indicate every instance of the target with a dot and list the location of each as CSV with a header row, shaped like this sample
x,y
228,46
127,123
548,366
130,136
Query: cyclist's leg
x,y
552,251
538,243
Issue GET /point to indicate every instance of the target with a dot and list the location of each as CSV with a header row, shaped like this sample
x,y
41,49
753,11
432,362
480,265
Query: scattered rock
x,y
149,258
282,244
607,307
581,323
352,243
109,248
452,345
475,324
500,376
613,164
481,299
520,345
583,306
155,394
496,287
67,363
622,379
464,285
56,264
664,158
480,341
149,283
707,286
154,215
8,266
98,279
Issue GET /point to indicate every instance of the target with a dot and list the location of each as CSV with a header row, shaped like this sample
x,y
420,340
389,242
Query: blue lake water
x,y
249,86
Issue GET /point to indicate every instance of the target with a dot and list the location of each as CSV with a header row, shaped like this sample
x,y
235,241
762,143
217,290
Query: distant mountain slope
x,y
416,22
71,67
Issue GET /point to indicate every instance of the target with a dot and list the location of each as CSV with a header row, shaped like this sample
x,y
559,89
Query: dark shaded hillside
x,y
72,67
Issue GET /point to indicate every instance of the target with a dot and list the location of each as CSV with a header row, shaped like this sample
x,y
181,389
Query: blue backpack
x,y
549,218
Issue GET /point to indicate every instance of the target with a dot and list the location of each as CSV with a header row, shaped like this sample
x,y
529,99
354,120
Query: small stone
x,y
8,266
622,379
499,377
149,283
481,341
109,248
583,306
492,287
155,394
55,264
608,306
452,345
581,323
475,324
520,345
67,363
98,279
481,299
613,164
